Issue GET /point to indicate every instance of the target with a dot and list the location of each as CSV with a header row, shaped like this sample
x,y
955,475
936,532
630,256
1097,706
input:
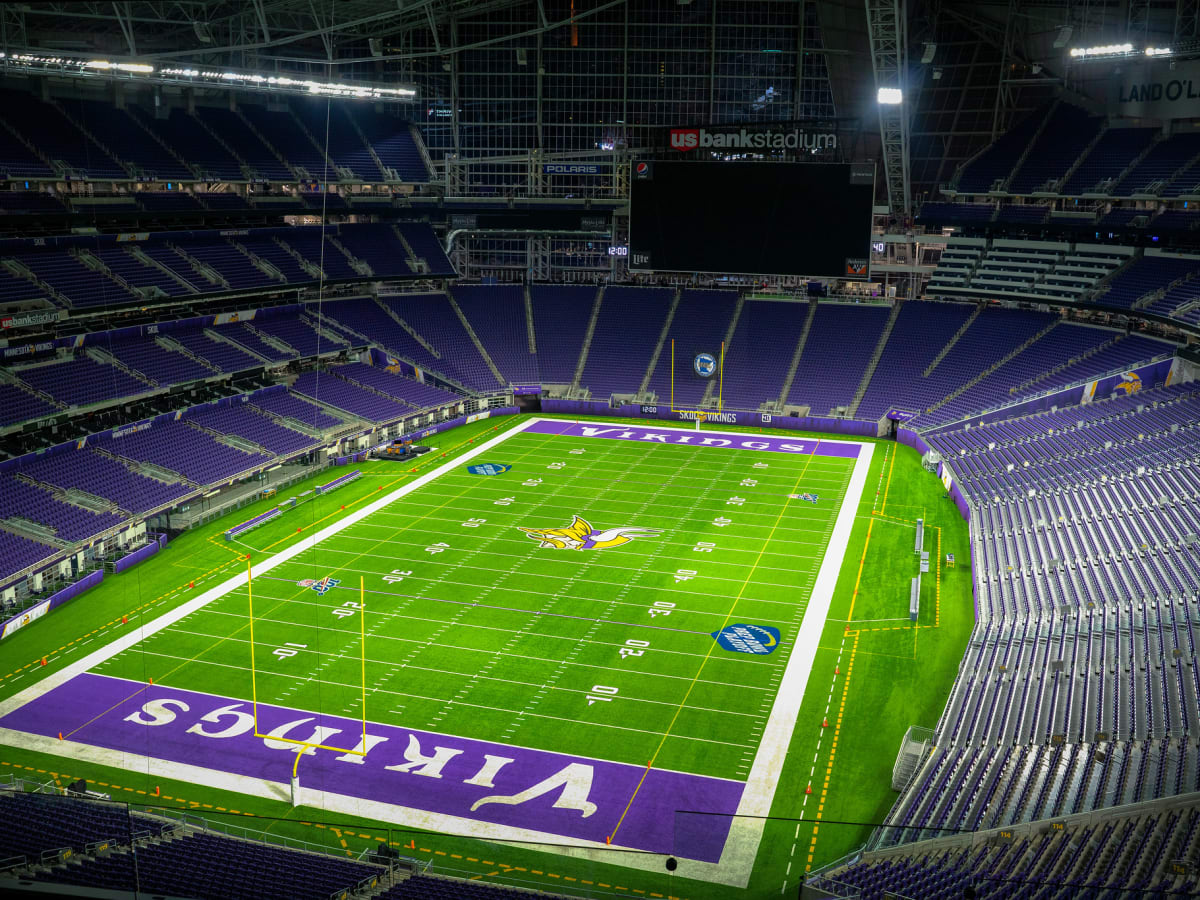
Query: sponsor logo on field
x,y
1130,383
742,638
580,535
321,586
705,364
811,498
489,469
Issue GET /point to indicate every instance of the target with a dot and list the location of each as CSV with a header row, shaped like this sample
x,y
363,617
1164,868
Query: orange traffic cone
x,y
808,790
824,723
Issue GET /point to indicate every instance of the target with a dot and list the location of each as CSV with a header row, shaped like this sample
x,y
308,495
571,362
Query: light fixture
x,y
1064,35
927,55
1158,51
889,96
26,63
1104,50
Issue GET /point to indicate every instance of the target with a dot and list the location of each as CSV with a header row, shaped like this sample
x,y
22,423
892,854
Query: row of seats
x,y
97,140
110,274
1064,150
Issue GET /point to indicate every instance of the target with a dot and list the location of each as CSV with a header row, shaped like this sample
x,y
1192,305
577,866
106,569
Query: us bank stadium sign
x,y
795,137
1157,91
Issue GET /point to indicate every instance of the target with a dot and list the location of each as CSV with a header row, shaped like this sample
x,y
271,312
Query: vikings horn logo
x,y
1131,383
580,535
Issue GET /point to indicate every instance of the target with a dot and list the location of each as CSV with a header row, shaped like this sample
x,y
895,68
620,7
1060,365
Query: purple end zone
x,y
648,434
563,795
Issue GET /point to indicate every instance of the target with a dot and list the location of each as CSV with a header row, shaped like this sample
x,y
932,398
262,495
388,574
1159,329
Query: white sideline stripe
x,y
745,835
170,618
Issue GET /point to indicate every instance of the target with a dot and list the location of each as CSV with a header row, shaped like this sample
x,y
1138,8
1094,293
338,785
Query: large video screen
x,y
752,218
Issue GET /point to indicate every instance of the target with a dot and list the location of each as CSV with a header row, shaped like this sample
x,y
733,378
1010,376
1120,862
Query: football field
x,y
575,634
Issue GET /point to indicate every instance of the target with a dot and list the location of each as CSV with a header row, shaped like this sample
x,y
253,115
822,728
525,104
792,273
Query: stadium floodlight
x,y
929,52
1064,35
1158,51
1103,50
127,70
139,68
890,96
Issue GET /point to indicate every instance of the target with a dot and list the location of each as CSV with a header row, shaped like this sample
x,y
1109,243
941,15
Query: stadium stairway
x,y
500,379
586,349
1029,145
869,372
644,385
953,340
796,354
416,263
975,379
707,401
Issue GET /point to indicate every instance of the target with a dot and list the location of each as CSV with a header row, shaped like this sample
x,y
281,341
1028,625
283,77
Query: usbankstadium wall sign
x,y
827,139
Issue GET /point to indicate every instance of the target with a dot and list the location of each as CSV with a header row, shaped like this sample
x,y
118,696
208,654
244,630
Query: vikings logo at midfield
x,y
580,535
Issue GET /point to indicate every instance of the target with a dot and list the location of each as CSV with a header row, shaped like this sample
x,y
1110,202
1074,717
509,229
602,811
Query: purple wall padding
x,y
337,482
54,601
251,523
137,556
830,424
910,438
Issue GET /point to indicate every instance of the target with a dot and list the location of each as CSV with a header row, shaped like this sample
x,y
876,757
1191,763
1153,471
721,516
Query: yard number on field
x,y
397,575
473,523
439,547
286,650
600,689
633,647
349,608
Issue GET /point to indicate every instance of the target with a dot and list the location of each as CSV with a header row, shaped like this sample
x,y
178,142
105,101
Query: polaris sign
x,y
685,139
572,169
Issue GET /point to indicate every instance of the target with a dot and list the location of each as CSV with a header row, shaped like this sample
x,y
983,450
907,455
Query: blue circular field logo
x,y
705,364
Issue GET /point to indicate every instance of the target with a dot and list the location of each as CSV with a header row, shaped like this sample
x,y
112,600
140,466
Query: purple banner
x,y
520,389
831,424
648,434
562,795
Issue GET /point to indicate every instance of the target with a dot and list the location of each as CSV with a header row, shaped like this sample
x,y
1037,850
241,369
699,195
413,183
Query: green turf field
x,y
476,631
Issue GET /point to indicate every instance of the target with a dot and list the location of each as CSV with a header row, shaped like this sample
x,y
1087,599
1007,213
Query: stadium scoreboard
x,y
752,218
